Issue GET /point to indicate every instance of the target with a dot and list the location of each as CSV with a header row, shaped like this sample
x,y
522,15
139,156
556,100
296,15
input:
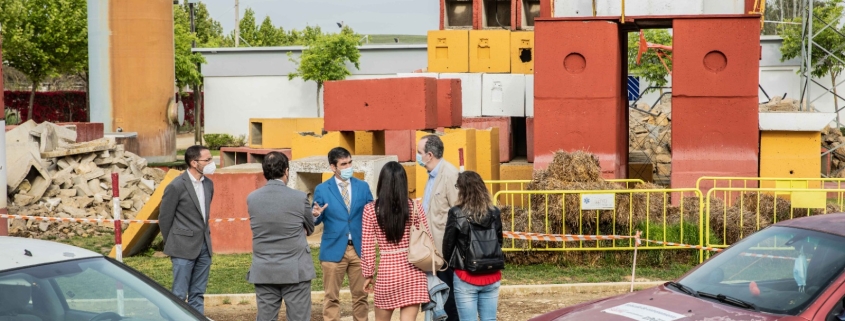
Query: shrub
x,y
215,141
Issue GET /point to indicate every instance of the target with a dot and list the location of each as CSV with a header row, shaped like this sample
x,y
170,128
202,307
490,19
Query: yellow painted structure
x,y
369,143
522,52
790,154
513,171
448,51
453,139
279,132
490,51
487,153
305,145
138,236
410,170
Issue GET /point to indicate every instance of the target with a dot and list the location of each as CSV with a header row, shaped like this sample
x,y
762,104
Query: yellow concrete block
x,y
487,153
138,236
448,51
358,175
515,170
279,132
788,154
453,139
489,51
522,52
369,143
411,171
305,145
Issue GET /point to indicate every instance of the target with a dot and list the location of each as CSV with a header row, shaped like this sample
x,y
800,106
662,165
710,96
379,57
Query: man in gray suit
x,y
282,267
183,219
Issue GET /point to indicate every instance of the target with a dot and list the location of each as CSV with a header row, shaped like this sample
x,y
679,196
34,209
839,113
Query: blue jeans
x,y
190,278
476,302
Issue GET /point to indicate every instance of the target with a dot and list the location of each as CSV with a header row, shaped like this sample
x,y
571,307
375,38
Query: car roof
x,y
14,252
827,223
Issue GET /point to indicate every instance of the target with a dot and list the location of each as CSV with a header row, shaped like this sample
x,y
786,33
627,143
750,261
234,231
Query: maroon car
x,y
792,270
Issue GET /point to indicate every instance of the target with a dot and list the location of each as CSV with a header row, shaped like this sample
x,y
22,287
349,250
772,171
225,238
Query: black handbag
x,y
484,254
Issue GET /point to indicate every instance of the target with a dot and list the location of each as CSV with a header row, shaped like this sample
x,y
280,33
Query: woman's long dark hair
x,y
473,195
392,202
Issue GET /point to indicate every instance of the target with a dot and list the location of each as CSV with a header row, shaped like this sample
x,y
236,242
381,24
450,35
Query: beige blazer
x,y
444,198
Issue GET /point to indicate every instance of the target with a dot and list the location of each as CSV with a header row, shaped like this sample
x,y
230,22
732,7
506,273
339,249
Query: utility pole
x,y
237,24
195,87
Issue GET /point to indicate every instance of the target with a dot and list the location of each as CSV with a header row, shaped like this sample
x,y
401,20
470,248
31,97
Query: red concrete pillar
x,y
546,8
714,98
578,100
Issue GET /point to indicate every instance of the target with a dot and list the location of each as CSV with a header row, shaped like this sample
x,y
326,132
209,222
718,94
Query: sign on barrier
x,y
598,201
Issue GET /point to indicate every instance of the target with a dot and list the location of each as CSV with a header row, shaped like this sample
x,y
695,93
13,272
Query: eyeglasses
x,y
205,160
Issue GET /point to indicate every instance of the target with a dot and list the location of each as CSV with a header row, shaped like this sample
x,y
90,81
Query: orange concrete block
x,y
305,145
381,104
400,143
230,192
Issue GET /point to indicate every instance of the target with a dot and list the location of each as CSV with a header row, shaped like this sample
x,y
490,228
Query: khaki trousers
x,y
333,274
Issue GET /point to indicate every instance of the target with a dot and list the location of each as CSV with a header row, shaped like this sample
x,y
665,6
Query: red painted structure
x,y
401,143
580,97
546,8
579,100
449,104
230,192
381,104
86,132
529,138
506,150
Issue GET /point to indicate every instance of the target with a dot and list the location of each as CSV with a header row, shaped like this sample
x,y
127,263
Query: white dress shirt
x,y
200,190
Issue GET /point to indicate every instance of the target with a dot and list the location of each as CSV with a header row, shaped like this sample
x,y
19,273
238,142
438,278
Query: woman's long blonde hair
x,y
473,196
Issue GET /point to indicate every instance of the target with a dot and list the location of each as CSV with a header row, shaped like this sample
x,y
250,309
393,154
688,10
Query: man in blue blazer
x,y
339,205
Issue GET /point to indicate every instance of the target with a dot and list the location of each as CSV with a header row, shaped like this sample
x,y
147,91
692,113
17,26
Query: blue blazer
x,y
338,222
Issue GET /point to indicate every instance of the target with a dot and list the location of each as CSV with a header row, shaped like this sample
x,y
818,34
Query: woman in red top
x,y
386,222
472,243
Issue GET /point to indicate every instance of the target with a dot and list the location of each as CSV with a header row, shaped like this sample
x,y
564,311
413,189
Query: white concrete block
x,y
418,74
471,92
582,8
795,122
503,95
306,173
529,95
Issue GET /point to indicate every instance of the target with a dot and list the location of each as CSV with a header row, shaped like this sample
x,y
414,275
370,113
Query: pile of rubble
x,y
49,174
650,138
780,104
832,139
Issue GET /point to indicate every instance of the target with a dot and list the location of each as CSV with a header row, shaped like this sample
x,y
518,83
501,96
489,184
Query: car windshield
x,y
779,269
87,289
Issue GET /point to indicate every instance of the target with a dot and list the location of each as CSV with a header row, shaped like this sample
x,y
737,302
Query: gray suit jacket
x,y
280,219
182,225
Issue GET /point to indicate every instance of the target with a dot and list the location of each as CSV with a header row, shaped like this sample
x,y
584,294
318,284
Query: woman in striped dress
x,y
387,222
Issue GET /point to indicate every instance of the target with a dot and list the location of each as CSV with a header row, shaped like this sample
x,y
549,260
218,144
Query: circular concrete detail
x,y
574,63
715,61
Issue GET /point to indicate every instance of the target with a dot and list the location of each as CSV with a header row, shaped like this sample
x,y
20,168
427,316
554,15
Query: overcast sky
x,y
412,17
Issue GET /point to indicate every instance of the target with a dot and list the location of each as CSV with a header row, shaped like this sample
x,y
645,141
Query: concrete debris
x,y
650,139
780,104
49,174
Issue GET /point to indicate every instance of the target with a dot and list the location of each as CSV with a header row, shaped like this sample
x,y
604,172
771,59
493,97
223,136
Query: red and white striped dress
x,y
398,283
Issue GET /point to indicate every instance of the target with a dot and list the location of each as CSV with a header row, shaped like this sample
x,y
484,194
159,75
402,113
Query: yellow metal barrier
x,y
831,185
756,208
495,186
604,212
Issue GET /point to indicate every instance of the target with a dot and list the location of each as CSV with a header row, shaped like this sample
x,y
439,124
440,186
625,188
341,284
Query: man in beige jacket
x,y
439,196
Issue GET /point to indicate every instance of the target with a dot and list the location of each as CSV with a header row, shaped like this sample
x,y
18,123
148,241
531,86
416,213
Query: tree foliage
x,y
325,59
42,38
650,67
829,39
187,73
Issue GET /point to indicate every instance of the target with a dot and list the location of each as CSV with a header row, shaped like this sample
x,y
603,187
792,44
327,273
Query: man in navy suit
x,y
339,205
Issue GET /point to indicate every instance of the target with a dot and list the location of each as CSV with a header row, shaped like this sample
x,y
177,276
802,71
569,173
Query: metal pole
x,y
195,87
809,52
4,223
237,24
118,236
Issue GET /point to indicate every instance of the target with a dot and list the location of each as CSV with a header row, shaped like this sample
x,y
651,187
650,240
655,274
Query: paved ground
x,y
515,308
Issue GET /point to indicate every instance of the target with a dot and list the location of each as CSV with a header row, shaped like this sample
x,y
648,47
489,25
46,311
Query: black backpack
x,y
484,254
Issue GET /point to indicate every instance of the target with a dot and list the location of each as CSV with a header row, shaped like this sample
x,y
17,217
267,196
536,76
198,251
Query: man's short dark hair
x,y
193,153
275,165
337,153
433,145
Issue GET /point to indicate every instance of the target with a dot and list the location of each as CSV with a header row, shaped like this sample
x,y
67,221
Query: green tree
x,y
650,67
209,31
186,61
829,38
267,35
325,59
42,38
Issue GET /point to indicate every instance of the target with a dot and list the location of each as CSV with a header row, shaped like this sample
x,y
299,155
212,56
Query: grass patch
x,y
228,272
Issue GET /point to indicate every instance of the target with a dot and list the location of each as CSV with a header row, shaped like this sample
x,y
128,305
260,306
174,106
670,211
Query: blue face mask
x,y
346,174
420,160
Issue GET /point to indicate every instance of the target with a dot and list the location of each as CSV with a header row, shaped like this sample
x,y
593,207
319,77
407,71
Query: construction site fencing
x,y
731,219
495,186
833,186
602,220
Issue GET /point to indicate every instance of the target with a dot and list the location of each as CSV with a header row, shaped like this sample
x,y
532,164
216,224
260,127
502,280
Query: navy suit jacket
x,y
338,222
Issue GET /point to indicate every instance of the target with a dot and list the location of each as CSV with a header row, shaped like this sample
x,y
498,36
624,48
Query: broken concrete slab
x,y
147,186
62,133
81,186
20,134
21,159
94,174
39,186
23,199
81,148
